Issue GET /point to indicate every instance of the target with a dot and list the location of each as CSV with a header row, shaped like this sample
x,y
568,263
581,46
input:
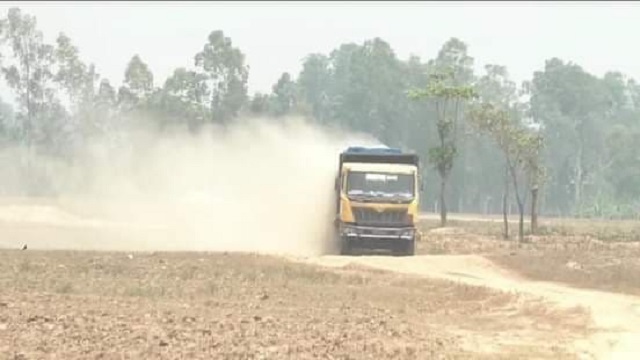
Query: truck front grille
x,y
389,217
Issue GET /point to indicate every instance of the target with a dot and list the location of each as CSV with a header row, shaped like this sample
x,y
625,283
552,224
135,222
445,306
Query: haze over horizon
x,y
275,37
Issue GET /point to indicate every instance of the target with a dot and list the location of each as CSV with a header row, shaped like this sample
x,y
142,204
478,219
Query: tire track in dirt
x,y
616,317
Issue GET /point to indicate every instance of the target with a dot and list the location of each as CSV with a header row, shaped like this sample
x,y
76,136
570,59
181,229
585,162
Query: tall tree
x,y
571,105
515,141
137,96
184,96
79,82
314,84
71,74
138,83
453,58
43,124
227,75
105,107
449,99
30,70
259,104
532,147
7,122
495,87
284,95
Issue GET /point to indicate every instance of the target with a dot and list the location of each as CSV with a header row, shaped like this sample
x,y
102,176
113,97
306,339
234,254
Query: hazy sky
x,y
275,36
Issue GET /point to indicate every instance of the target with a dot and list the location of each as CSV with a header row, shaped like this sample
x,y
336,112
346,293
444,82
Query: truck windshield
x,y
386,185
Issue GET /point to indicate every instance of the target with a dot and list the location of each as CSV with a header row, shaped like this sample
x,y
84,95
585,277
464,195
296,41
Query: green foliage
x,y
183,99
623,170
582,156
577,110
448,96
447,99
226,77
442,157
285,96
499,116
138,79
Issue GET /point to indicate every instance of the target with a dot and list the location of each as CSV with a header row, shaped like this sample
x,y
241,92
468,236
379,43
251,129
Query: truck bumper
x,y
369,237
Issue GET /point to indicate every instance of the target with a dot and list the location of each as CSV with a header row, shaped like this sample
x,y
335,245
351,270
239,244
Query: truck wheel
x,y
346,248
405,248
410,249
399,248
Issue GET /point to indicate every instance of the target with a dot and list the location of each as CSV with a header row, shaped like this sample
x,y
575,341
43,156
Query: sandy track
x,y
616,317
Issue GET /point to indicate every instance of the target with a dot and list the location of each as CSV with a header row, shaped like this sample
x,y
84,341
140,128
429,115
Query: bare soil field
x,y
468,294
204,305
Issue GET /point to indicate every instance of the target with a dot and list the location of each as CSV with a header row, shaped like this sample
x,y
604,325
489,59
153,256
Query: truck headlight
x,y
349,231
408,233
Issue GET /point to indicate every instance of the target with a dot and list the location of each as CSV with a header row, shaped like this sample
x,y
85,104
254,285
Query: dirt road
x,y
616,317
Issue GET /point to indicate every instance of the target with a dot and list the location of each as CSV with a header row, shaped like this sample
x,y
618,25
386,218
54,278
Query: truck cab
x,y
377,200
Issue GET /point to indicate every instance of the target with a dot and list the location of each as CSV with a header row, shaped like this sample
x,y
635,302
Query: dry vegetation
x,y
204,305
586,253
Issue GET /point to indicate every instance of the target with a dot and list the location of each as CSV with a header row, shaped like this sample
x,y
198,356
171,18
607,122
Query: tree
x,y
42,121
418,126
364,89
571,105
517,143
501,114
495,87
105,107
138,84
453,57
137,98
535,171
496,123
78,81
184,96
314,83
72,73
226,77
448,99
7,118
284,96
624,174
259,104
31,69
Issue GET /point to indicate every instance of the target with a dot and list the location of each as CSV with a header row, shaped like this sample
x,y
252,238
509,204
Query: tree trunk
x,y
505,199
28,128
443,204
534,210
521,223
579,171
577,200
520,202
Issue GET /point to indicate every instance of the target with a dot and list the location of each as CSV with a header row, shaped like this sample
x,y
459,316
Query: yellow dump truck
x,y
377,198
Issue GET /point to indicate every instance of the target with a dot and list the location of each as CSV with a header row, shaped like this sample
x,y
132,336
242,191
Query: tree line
x,y
562,141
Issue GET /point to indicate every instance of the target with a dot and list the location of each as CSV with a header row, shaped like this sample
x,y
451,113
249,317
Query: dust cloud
x,y
261,185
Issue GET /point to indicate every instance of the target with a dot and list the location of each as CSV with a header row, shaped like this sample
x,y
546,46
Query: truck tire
x,y
405,248
410,249
345,248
